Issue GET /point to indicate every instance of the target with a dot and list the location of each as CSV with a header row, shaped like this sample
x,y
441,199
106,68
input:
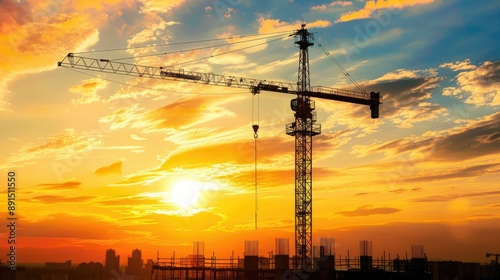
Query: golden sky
x,y
108,161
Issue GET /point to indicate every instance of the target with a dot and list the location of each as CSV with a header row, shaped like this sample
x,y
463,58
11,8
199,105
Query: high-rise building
x,y
112,265
135,264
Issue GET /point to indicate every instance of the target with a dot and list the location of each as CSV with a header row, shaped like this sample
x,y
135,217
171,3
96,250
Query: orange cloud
x,y
62,145
122,117
61,225
240,152
62,141
372,6
142,178
154,30
474,139
160,6
439,198
267,178
88,90
187,112
275,25
478,86
61,186
367,210
113,6
41,32
114,168
52,199
478,138
459,65
38,43
455,173
121,201
332,4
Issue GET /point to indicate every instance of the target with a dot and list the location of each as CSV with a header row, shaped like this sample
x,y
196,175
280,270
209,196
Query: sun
x,y
186,193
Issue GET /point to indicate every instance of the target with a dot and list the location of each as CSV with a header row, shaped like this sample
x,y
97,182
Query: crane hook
x,y
255,129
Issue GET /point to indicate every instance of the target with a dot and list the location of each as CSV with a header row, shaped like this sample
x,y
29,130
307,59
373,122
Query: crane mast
x,y
303,128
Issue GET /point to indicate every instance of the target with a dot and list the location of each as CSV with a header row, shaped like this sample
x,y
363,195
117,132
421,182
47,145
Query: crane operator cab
x,y
297,105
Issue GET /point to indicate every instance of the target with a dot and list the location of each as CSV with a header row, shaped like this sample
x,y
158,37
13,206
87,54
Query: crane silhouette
x,y
303,128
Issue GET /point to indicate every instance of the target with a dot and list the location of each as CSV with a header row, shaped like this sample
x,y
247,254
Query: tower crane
x,y
303,128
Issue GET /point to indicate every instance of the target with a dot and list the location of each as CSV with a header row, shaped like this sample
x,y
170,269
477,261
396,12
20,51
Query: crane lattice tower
x,y
304,128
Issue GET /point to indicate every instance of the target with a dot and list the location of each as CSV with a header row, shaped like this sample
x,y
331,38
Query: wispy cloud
x,y
372,6
401,190
38,35
54,199
61,146
323,7
160,6
187,112
239,152
146,177
87,89
367,210
459,173
439,198
61,186
459,65
72,228
268,25
113,168
133,200
154,31
474,139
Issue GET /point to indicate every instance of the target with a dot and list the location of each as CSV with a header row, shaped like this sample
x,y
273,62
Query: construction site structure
x,y
303,128
488,255
279,265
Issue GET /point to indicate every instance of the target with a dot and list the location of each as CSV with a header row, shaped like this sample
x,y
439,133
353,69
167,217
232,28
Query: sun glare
x,y
186,194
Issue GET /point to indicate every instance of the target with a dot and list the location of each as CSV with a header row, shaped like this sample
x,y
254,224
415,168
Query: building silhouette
x,y
88,271
135,264
112,264
58,265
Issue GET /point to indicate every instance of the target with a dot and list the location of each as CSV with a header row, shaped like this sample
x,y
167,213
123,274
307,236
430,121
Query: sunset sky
x,y
109,161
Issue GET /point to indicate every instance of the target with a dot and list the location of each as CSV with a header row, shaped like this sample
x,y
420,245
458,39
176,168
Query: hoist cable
x,y
255,172
255,127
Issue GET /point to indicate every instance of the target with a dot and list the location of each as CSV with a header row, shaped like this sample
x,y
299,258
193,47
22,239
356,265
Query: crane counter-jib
x,y
255,85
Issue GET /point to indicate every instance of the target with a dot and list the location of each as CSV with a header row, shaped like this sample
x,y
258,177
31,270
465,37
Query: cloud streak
x,y
71,185
373,6
441,198
474,139
368,210
113,168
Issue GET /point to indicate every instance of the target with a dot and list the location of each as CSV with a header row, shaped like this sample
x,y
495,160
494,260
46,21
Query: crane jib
x,y
372,99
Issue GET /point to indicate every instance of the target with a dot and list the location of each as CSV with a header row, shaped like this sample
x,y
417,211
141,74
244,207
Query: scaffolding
x,y
280,265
